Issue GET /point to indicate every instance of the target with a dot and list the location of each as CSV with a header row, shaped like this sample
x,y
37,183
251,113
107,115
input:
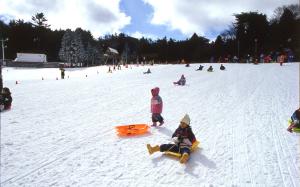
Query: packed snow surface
x,y
61,132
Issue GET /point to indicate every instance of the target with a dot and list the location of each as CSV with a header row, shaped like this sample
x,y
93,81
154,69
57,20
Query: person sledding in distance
x,y
222,67
295,121
5,99
200,68
181,81
156,107
183,138
148,71
210,69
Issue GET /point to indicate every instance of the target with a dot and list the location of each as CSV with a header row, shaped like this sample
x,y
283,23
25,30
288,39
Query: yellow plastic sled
x,y
194,147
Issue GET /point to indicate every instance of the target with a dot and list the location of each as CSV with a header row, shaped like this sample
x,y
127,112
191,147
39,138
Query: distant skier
x,y
5,99
62,73
222,67
183,138
156,107
210,69
295,118
109,70
200,68
148,71
181,81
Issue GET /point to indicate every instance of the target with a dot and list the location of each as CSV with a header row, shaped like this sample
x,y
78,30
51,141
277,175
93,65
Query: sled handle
x,y
131,126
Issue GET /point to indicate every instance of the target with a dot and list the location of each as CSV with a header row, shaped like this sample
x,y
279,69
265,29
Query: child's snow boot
x,y
161,123
154,124
184,158
151,150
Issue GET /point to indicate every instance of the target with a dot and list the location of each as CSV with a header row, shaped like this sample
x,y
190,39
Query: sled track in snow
x,y
60,157
287,155
232,133
62,154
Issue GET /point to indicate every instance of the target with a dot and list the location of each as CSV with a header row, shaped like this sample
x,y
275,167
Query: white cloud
x,y
98,16
139,35
206,16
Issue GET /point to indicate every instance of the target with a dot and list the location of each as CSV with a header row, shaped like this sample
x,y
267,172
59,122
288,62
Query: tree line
x,y
251,34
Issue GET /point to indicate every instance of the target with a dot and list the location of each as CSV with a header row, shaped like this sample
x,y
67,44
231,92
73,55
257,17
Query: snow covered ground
x,y
61,132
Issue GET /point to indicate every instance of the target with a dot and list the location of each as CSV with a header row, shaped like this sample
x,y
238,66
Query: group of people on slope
x,y
5,99
183,137
182,80
210,69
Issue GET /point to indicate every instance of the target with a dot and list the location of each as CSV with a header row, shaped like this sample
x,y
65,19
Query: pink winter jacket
x,y
156,101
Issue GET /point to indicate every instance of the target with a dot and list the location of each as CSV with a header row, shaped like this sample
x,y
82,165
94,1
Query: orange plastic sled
x,y
133,129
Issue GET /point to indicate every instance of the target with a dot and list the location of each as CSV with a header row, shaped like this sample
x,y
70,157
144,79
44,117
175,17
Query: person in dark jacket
x,y
222,67
200,68
109,70
295,120
148,71
183,138
210,69
62,73
5,99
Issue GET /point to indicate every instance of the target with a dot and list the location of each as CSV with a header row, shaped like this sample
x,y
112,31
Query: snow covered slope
x,y
61,132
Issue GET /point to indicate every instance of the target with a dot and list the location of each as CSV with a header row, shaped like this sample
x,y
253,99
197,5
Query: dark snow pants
x,y
157,118
174,148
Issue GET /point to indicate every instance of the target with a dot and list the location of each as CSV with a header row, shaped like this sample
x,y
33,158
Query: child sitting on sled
x,y
295,123
222,67
156,107
181,81
148,71
183,139
210,69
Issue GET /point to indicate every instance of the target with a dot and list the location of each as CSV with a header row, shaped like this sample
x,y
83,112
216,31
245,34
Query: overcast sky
x,y
177,19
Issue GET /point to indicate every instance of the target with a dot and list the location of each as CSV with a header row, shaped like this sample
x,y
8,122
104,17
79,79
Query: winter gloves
x,y
175,140
182,140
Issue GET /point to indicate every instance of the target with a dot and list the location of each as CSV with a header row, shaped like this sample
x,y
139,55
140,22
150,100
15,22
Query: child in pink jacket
x,y
156,107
